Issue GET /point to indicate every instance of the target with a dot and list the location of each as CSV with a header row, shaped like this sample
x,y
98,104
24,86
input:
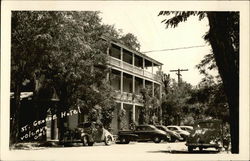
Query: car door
x,y
140,131
149,133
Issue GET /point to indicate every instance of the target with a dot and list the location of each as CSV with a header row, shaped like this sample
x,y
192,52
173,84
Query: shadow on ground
x,y
185,152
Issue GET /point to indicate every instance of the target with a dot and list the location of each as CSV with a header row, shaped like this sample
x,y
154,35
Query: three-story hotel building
x,y
130,71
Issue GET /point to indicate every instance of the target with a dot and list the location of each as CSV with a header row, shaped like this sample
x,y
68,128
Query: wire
x,y
174,49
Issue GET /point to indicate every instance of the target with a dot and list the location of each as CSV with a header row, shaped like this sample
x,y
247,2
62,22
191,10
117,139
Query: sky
x,y
153,35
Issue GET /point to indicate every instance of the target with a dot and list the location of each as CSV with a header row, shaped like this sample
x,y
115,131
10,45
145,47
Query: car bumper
x,y
203,145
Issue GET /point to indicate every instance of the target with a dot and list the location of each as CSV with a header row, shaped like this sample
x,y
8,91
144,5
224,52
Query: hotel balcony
x,y
133,69
128,97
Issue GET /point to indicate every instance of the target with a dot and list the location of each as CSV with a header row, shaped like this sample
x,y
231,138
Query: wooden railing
x,y
134,69
128,97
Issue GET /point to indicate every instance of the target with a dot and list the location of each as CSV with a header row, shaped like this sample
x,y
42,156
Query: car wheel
x,y
157,139
172,139
84,140
108,140
124,141
219,149
90,143
184,137
190,149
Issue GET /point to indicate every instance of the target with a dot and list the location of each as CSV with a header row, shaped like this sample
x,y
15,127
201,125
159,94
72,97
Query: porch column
x,y
121,105
108,49
133,118
153,89
133,88
121,82
143,65
107,76
143,83
121,57
133,59
152,67
160,91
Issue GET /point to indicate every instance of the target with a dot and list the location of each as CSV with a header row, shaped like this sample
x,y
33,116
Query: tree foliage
x,y
131,41
149,114
223,37
174,101
61,52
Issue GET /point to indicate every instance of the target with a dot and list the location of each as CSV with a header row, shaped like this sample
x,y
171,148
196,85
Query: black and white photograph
x,y
124,80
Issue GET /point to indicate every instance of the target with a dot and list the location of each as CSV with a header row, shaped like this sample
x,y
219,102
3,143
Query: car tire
x,y
219,149
85,140
108,140
190,149
172,139
124,140
184,138
90,143
157,139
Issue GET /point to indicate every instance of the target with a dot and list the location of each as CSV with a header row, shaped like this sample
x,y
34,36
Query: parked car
x,y
184,134
173,135
146,133
124,137
187,128
88,133
206,134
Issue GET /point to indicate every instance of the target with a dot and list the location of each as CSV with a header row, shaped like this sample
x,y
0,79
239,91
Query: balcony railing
x,y
134,69
128,97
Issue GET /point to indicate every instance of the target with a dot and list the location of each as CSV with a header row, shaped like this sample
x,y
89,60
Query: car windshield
x,y
210,125
174,128
162,128
183,128
142,128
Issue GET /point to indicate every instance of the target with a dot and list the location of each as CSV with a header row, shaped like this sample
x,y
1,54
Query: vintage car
x,y
184,134
187,128
145,133
206,134
88,133
173,135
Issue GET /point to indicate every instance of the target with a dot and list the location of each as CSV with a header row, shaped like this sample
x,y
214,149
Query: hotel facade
x,y
130,71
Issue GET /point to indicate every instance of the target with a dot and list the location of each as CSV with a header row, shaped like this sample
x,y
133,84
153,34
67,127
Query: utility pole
x,y
179,73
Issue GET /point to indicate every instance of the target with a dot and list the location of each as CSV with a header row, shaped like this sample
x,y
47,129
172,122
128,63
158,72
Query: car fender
x,y
106,133
90,139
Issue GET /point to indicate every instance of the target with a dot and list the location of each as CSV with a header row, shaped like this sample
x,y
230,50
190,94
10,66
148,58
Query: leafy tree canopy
x,y
62,52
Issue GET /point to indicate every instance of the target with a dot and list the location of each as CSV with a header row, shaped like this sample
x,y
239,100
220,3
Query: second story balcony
x,y
134,62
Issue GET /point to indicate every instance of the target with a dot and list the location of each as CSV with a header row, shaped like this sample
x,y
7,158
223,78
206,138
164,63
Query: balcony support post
x,y
121,82
153,89
143,65
133,59
133,113
133,82
107,76
152,68
121,57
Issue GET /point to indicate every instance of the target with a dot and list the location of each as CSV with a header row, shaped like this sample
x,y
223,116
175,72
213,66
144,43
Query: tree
x,y
62,52
149,114
174,100
223,37
63,49
130,41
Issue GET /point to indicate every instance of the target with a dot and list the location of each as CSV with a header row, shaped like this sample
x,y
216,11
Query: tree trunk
x,y
15,123
224,55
